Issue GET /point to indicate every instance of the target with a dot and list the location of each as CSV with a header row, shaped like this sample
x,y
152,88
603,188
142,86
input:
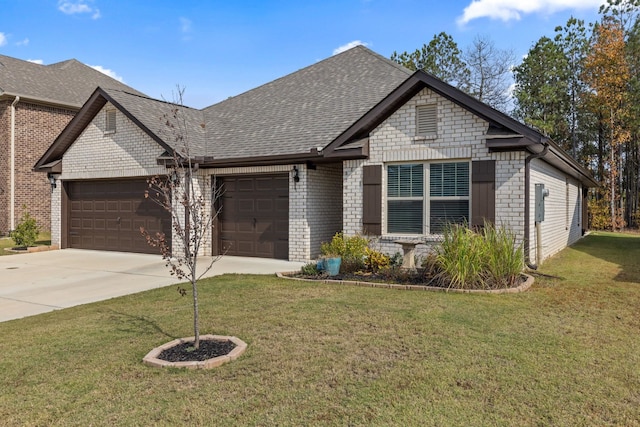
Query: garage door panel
x,y
252,219
245,184
246,206
107,215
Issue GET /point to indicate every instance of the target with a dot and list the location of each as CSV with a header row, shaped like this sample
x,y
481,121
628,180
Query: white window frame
x,y
426,195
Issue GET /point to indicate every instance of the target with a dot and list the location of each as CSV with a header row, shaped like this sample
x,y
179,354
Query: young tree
x,y
189,199
441,57
490,72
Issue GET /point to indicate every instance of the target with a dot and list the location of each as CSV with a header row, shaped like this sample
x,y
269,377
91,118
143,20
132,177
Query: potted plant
x,y
331,255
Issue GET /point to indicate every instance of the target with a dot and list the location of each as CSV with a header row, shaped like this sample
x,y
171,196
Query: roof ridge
x,y
330,58
387,60
108,89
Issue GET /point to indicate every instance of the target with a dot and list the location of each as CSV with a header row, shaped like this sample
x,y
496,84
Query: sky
x,y
217,49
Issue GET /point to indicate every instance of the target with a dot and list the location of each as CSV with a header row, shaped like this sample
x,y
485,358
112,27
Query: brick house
x,y
36,103
354,143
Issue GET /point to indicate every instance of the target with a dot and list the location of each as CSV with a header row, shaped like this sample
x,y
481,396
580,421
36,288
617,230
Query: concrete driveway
x,y
39,282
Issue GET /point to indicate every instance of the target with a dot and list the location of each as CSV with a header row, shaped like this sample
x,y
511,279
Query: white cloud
x,y
348,46
24,42
507,10
185,25
36,61
108,72
3,39
78,6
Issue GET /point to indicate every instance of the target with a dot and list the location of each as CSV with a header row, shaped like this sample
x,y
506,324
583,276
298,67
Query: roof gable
x,y
140,110
503,133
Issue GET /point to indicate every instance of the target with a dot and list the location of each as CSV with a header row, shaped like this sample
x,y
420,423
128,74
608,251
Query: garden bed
x,y
411,283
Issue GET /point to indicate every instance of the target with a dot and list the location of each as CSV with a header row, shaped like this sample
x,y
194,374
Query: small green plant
x,y
396,260
310,269
376,261
26,231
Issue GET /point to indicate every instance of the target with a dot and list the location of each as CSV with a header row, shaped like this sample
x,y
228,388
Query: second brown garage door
x,y
254,220
107,215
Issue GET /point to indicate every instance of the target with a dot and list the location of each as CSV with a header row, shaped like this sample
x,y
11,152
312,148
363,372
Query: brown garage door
x,y
107,215
254,220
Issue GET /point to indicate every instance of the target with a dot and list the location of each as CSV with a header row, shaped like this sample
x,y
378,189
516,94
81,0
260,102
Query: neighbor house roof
x,y
68,83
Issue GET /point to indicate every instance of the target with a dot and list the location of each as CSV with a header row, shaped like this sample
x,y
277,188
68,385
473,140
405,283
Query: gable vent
x,y
110,125
427,120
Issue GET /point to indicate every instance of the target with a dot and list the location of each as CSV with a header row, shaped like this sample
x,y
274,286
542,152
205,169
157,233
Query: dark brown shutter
x,y
372,199
483,192
585,210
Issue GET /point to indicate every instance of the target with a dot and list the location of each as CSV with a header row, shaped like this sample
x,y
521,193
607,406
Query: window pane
x,y
449,179
445,212
405,180
405,216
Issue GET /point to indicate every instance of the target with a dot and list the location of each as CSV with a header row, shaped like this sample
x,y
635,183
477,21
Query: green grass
x,y
565,353
44,239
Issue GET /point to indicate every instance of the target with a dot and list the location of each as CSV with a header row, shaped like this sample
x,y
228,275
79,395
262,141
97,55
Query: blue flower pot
x,y
332,266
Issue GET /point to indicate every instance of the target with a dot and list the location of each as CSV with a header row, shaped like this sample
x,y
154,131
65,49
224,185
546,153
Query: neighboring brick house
x,y
354,143
36,104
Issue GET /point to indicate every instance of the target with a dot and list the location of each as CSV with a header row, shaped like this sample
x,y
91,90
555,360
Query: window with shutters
x,y
412,210
110,124
427,120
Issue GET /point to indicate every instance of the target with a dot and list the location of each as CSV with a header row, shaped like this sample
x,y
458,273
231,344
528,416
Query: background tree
x,y
189,200
541,90
490,72
573,41
607,73
441,58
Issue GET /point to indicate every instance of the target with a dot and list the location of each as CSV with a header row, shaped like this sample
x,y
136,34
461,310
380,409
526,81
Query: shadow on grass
x,y
137,324
622,249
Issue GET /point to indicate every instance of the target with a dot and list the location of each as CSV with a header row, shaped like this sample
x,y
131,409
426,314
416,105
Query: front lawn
x,y
564,353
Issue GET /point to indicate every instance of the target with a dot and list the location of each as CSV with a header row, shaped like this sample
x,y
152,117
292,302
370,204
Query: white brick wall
x,y
461,136
129,152
562,224
56,209
324,204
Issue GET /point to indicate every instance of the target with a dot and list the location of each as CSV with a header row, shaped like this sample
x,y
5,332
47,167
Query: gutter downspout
x,y
527,202
12,166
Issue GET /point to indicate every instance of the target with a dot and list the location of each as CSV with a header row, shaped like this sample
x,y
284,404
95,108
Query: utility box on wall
x,y
541,194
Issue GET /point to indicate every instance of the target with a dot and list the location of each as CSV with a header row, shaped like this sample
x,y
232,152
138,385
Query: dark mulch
x,y
418,277
186,353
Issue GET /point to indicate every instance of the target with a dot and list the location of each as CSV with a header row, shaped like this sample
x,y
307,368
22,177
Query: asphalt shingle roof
x,y
293,114
303,110
66,83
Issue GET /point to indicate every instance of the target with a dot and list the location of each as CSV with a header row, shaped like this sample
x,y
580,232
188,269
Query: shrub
x,y
486,260
310,269
26,231
376,260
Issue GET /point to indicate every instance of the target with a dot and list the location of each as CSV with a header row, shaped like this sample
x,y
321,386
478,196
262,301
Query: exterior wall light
x,y
52,181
